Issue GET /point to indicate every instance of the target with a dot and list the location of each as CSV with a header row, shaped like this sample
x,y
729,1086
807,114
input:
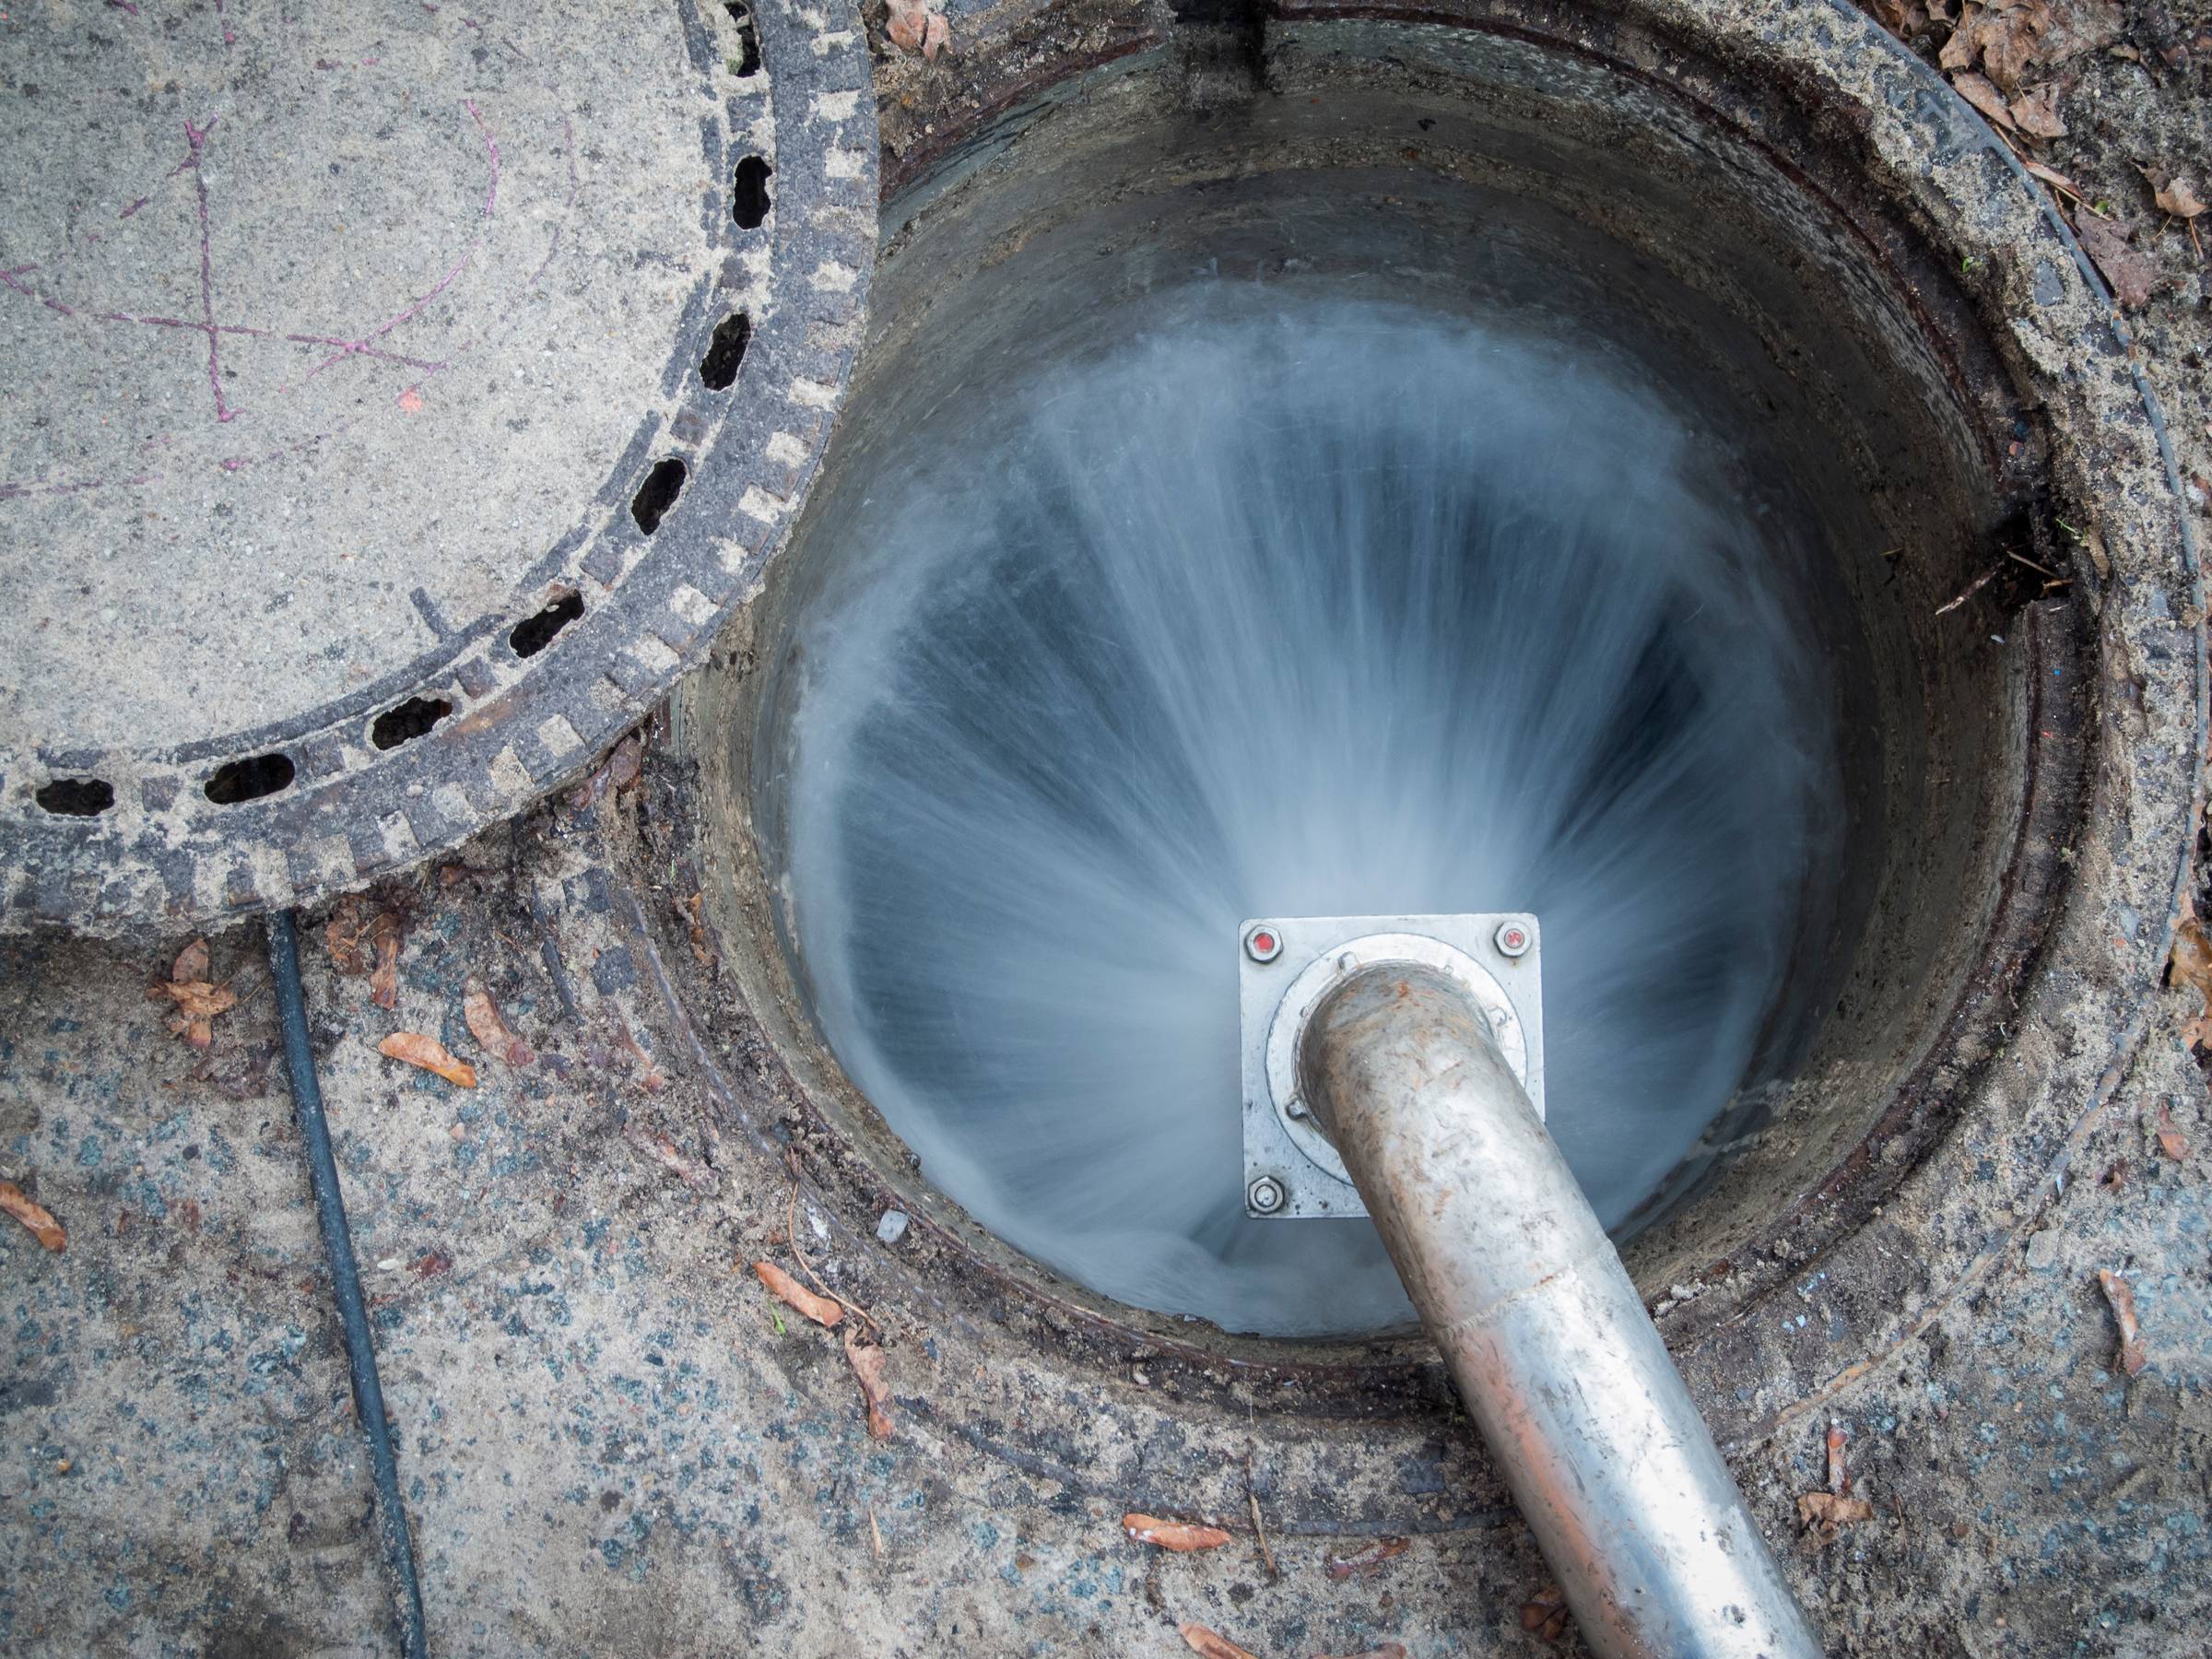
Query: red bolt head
x,y
1263,944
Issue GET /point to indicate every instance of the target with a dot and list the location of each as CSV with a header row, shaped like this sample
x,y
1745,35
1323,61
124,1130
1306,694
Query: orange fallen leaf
x,y
2056,180
1824,1514
2121,1294
821,1309
197,1004
489,1026
2190,964
33,1214
429,1055
364,939
384,984
1839,1479
867,1360
1367,1559
1981,92
913,27
1213,1645
192,963
2171,1141
1544,1613
1181,1536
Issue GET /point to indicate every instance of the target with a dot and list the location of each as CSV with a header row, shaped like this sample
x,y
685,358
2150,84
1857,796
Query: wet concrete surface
x,y
612,1441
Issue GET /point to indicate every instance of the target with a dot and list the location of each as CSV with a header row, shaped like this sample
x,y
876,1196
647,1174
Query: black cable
x,y
345,1282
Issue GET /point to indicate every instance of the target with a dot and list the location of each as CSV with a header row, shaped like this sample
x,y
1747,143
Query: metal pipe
x,y
1543,1330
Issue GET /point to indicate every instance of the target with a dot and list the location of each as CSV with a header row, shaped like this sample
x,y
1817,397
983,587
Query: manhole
x,y
1780,221
400,395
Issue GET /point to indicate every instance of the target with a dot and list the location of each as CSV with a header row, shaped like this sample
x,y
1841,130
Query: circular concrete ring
x,y
1942,1175
400,398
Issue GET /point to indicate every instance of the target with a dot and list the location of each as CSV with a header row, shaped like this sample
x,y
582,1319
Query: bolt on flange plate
x,y
403,398
1287,966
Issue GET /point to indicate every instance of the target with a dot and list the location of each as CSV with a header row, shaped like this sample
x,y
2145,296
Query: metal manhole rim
x,y
162,856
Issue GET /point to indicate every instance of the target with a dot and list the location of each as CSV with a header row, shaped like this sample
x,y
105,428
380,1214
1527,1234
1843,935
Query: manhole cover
x,y
398,395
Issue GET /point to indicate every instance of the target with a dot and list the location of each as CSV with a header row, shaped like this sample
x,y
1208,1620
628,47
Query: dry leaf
x,y
2011,41
2133,275
35,1216
2190,965
2056,180
2121,1294
489,1026
1964,46
1212,1643
1980,91
2037,115
192,963
429,1054
699,1177
822,1310
1823,1514
2169,1137
2174,196
913,27
345,936
1178,1536
867,1359
1839,1479
1367,1559
384,984
1544,1613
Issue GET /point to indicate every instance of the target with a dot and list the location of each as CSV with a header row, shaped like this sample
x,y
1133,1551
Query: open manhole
x,y
1492,463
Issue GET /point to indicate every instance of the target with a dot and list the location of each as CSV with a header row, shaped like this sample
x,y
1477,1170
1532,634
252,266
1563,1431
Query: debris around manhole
x,y
197,1001
1181,1536
1544,1613
914,26
1838,1477
2170,1138
2190,964
489,1026
819,1309
1824,1514
1367,1559
1212,1645
33,1214
429,1055
2132,274
2121,1296
867,1360
364,937
2174,193
697,1176
890,1227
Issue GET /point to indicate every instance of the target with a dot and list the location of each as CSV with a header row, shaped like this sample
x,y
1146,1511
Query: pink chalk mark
x,y
492,203
196,138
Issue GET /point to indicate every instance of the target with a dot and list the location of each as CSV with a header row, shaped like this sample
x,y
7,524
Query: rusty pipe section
x,y
1543,1330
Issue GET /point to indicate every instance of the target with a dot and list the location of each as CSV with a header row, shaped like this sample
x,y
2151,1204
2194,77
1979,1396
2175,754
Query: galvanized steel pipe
x,y
1543,1330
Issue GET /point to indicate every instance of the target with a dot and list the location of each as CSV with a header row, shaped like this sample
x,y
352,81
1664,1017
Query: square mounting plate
x,y
1286,1145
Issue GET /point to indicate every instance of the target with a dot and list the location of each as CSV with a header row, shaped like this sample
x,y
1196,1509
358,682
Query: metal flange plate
x,y
399,397
1285,968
